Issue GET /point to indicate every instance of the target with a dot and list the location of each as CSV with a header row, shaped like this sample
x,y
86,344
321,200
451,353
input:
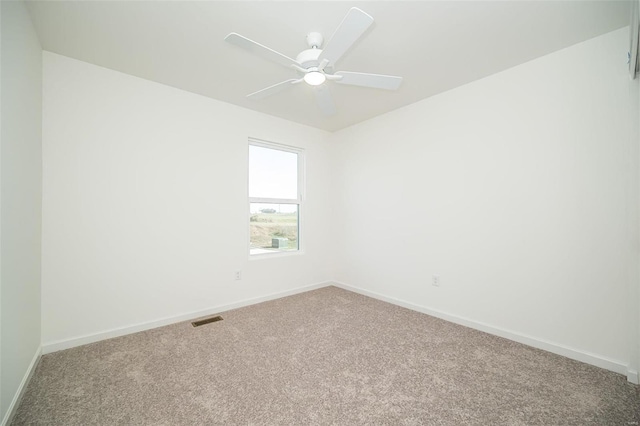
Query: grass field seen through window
x,y
264,227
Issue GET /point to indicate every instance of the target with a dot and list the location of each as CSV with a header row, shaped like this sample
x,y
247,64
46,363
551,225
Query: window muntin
x,y
275,197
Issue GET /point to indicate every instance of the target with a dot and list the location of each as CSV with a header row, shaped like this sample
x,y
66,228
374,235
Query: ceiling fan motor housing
x,y
309,58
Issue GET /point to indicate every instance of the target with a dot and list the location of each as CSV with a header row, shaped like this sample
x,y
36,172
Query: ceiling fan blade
x,y
260,50
376,81
324,100
352,27
272,90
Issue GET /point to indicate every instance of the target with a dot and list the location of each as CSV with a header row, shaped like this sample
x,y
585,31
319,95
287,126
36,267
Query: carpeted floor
x,y
327,356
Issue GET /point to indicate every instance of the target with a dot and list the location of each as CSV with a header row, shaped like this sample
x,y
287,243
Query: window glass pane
x,y
273,173
273,227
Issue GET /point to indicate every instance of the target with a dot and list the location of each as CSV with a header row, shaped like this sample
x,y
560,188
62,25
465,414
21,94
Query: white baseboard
x,y
8,417
578,355
116,332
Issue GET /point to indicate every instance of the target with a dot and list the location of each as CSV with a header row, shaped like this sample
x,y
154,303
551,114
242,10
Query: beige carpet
x,y
327,356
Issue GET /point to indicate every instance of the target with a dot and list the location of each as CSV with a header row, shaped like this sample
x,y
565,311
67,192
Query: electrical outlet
x,y
238,275
436,281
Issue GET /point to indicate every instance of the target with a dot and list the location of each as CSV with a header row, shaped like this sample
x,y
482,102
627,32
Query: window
x,y
275,197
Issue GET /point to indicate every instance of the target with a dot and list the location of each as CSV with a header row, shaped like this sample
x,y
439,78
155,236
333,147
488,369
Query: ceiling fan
x,y
315,65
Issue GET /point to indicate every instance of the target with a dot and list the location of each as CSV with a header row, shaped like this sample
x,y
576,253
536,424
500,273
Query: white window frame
x,y
299,201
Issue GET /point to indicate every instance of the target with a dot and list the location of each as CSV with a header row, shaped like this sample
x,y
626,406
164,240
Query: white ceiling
x,y
434,45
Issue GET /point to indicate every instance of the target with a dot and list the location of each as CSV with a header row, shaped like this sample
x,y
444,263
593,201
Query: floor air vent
x,y
206,321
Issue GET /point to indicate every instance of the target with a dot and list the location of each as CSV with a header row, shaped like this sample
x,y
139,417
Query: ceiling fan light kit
x,y
315,65
314,78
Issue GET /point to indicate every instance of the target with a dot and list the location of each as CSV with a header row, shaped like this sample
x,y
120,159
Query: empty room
x,y
319,212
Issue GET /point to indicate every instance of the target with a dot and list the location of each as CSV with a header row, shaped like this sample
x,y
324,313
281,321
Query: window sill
x,y
259,254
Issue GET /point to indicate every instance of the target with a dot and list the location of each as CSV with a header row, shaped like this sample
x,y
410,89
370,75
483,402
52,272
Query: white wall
x,y
633,299
20,197
520,190
634,213
515,189
145,212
